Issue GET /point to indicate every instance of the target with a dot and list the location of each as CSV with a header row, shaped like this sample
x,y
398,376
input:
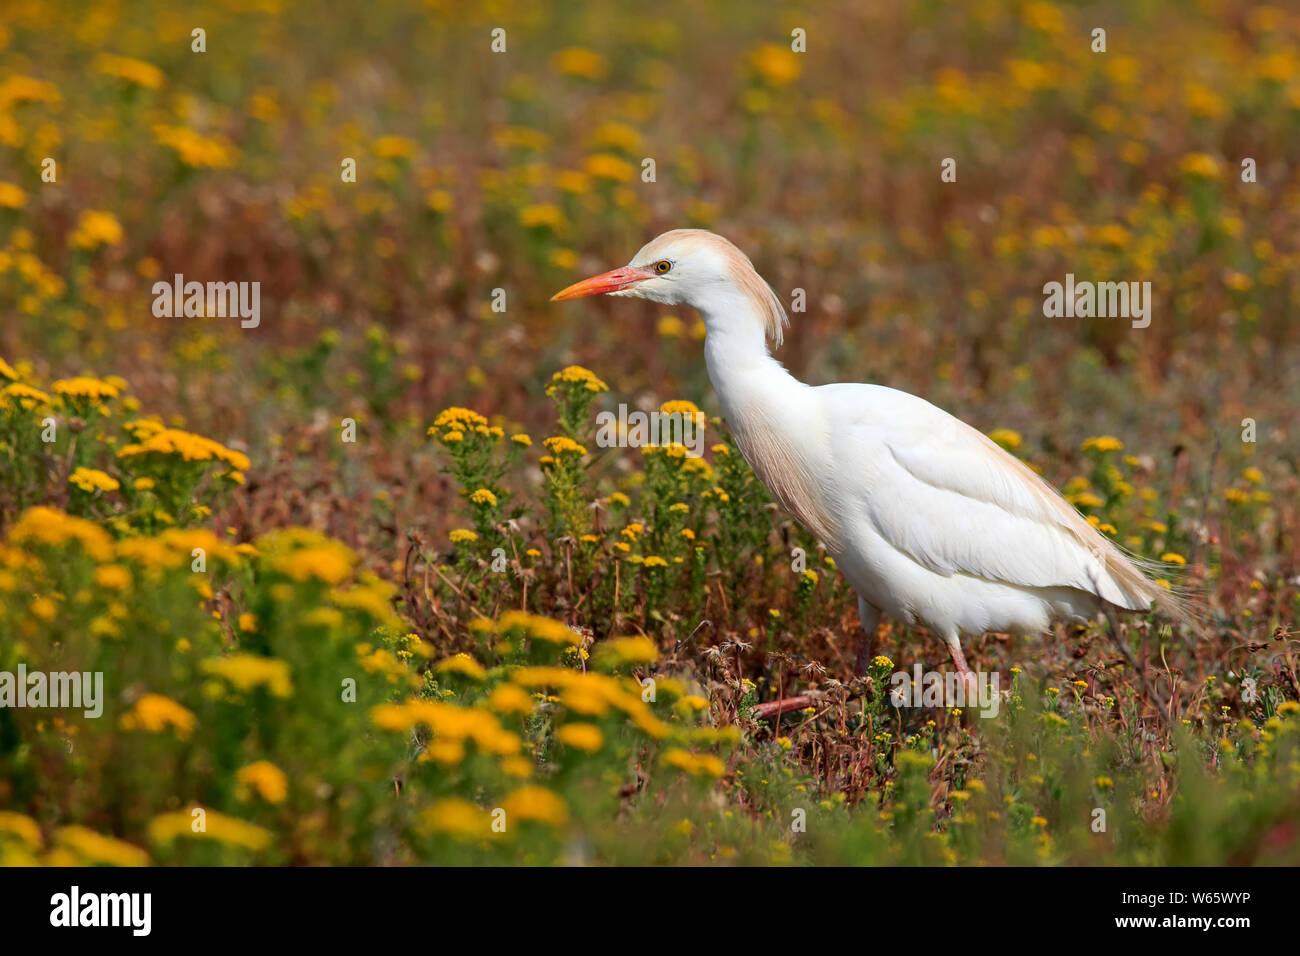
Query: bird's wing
x,y
956,503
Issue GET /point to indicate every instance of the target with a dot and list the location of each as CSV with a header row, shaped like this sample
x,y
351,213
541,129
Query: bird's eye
x,y
662,266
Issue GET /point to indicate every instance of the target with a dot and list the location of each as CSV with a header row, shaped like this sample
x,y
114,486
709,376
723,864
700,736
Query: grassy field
x,y
364,589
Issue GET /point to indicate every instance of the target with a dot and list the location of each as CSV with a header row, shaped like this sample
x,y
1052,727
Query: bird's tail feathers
x,y
1164,584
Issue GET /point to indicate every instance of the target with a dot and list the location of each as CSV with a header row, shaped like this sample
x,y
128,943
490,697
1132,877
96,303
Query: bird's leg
x,y
866,648
870,618
959,661
958,658
777,708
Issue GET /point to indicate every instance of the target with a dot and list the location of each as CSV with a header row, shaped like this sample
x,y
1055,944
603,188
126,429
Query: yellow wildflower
x,y
509,699
533,803
456,817
12,197
96,228
215,826
154,713
91,480
394,147
47,526
463,665
190,447
127,68
1102,443
266,779
695,764
609,166
247,671
85,387
586,737
194,149
562,444
1200,164
93,847
577,375
776,64
25,395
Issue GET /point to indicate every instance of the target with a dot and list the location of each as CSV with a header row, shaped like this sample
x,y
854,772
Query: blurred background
x,y
522,171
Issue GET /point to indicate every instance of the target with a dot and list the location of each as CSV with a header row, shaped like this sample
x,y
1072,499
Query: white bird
x,y
928,519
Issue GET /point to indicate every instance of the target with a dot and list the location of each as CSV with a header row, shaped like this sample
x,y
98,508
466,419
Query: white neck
x,y
777,420
741,369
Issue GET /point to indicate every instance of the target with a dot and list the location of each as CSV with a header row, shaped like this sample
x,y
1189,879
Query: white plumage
x,y
928,519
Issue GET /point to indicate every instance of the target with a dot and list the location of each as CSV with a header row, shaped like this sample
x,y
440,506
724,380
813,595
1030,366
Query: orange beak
x,y
614,281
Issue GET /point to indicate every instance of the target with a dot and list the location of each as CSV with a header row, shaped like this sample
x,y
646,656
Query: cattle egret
x,y
928,519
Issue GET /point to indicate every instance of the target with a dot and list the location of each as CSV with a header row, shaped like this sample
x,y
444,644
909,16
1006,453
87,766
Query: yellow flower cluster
x,y
562,445
462,664
577,375
460,419
521,623
449,723
174,548
682,407
579,61
194,149
697,765
166,827
86,387
127,68
91,480
12,196
610,167
1102,443
535,804
154,713
90,847
264,778
249,671
581,736
593,694
453,424
373,596
483,497
456,817
628,650
96,228
190,447
778,65
394,147
25,396
41,525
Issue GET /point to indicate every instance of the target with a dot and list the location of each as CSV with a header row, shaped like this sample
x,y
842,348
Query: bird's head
x,y
697,268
